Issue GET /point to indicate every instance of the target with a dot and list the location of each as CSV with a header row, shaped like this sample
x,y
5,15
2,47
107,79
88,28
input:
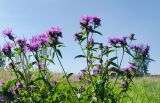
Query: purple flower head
x,y
91,41
26,48
135,47
132,67
12,92
11,77
40,65
96,21
54,32
8,32
77,37
54,82
100,67
1,99
87,21
43,38
2,82
19,85
123,41
146,50
126,70
123,84
7,48
96,71
33,46
78,77
131,37
21,42
84,72
113,41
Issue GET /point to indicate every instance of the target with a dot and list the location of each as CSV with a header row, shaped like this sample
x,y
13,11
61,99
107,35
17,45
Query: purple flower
x,y
96,71
1,99
126,70
26,48
113,41
11,77
123,41
90,21
7,48
141,49
146,50
132,67
77,37
123,84
85,20
131,37
12,92
2,82
33,46
40,65
84,72
54,32
8,32
135,47
78,77
19,85
97,21
22,41
91,41
54,82
43,38
40,39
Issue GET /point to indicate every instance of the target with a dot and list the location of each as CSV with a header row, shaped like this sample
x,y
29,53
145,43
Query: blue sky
x,y
119,17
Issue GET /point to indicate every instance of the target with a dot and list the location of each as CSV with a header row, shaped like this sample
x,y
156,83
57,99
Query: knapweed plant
x,y
103,80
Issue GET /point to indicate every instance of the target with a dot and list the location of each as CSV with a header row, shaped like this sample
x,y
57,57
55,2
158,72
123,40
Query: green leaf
x,y
83,32
128,51
79,56
32,82
61,45
97,32
59,53
114,64
8,84
22,76
30,65
17,51
112,59
151,59
83,39
101,89
69,75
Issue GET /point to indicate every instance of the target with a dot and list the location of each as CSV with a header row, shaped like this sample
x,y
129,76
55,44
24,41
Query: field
x,y
145,90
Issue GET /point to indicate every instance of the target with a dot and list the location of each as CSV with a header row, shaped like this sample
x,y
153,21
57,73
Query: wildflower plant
x,y
103,79
99,87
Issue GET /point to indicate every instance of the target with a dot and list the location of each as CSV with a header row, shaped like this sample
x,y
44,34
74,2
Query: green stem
x,y
119,67
65,74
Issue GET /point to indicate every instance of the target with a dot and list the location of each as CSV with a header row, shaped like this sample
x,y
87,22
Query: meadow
x,y
143,90
28,79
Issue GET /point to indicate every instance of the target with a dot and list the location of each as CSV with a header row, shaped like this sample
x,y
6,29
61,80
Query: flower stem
x,y
65,74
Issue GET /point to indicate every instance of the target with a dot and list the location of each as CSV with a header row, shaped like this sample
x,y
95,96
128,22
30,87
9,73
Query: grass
x,y
144,90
